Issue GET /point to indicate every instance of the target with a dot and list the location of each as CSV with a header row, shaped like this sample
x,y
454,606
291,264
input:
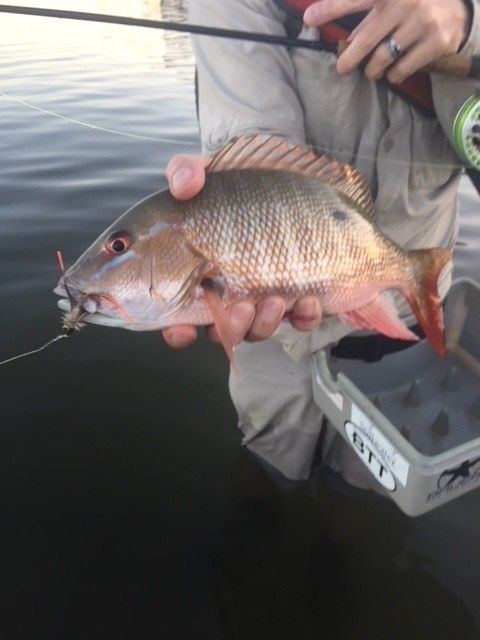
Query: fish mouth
x,y
73,298
83,307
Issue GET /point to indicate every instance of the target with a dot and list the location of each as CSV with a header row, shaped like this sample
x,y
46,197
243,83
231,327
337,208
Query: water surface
x,y
128,509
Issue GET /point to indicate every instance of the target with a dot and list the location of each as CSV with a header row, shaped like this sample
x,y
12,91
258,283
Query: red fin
x,y
380,315
423,293
275,153
220,320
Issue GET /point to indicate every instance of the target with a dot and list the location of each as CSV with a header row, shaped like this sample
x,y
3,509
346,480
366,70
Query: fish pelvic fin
x,y
422,294
275,153
220,319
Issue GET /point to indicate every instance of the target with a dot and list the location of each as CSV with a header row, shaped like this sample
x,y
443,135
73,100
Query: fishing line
x,y
29,353
326,150
472,70
88,125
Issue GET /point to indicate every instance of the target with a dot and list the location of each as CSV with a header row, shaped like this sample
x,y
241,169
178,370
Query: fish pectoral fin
x,y
215,303
379,315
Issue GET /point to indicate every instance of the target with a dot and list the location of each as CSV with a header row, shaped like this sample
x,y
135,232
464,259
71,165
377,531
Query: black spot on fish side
x,y
339,215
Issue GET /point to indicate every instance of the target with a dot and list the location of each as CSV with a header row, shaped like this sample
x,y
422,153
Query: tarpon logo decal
x,y
462,471
467,473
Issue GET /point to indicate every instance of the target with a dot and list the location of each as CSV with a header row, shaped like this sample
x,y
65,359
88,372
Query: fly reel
x,y
466,131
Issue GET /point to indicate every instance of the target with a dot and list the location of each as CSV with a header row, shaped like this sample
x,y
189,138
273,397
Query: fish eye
x,y
118,243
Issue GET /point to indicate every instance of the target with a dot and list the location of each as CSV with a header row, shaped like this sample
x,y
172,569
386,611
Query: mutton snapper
x,y
271,219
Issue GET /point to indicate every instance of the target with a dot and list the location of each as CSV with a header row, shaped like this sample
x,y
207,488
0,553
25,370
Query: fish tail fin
x,y
422,294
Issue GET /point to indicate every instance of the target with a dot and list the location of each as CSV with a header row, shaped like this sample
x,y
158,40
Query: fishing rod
x,y
454,64
170,26
467,125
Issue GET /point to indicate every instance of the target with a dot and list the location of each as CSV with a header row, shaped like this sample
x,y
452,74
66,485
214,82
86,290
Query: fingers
x,y
425,30
186,175
382,60
269,314
255,323
426,38
370,16
180,336
306,314
324,11
367,40
240,316
415,59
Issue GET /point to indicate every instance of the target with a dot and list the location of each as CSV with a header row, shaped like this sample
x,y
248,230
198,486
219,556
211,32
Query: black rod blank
x,y
170,26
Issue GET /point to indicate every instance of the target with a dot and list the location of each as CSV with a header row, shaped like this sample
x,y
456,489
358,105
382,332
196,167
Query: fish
x,y
272,219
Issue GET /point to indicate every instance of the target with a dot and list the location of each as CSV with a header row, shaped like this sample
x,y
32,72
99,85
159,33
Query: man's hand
x,y
424,30
186,177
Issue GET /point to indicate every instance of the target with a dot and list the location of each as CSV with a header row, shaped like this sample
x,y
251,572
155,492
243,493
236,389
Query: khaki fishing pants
x,y
280,422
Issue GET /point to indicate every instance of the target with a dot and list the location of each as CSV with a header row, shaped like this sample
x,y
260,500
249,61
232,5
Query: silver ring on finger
x,y
394,49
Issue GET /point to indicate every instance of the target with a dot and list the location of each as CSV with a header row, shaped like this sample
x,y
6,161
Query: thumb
x,y
186,175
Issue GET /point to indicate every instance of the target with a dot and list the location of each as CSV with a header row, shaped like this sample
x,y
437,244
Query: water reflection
x,y
104,76
135,49
313,563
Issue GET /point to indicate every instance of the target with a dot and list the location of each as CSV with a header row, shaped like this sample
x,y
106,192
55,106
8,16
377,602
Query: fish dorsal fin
x,y
275,153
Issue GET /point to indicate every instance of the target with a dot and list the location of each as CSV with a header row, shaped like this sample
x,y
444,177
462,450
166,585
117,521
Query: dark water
x,y
127,508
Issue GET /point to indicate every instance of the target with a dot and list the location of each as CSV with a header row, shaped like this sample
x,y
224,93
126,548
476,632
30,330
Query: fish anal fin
x,y
380,315
275,153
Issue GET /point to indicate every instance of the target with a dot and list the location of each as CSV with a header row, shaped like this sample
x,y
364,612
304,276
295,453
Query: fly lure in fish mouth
x,y
71,320
84,305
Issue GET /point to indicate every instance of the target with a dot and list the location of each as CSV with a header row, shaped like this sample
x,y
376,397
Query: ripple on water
x,y
117,454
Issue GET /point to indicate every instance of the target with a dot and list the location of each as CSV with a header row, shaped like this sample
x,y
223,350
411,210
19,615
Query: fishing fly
x,y
71,320
78,307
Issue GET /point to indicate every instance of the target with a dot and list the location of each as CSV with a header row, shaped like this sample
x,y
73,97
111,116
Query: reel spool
x,y
466,131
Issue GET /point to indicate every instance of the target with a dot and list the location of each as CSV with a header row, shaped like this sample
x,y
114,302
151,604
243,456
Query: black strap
x,y
293,19
372,348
